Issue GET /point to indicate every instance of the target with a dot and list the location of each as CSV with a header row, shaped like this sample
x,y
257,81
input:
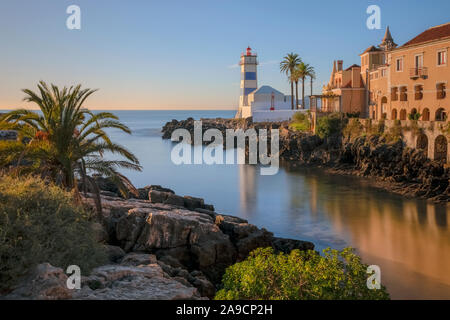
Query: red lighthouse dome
x,y
249,51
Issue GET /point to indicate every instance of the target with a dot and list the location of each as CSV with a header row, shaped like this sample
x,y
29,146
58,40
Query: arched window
x,y
426,114
441,115
394,114
403,114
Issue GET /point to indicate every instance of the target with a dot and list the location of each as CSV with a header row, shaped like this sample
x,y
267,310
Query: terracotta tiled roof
x,y
434,33
371,49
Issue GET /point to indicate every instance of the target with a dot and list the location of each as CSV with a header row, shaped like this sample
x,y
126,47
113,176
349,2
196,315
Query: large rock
x,y
44,283
128,282
195,240
179,233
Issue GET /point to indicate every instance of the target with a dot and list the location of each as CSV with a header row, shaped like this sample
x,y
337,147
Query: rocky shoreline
x,y
160,246
390,166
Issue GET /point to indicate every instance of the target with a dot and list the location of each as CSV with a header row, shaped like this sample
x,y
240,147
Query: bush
x,y
40,223
414,116
329,125
298,276
300,122
353,129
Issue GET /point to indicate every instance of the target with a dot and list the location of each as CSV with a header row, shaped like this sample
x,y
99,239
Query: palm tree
x,y
312,77
295,77
66,142
304,70
288,66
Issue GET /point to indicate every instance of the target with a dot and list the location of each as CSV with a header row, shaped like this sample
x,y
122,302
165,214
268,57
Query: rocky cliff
x,y
391,165
161,246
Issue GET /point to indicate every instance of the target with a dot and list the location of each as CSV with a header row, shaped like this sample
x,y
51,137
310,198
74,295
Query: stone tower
x,y
388,42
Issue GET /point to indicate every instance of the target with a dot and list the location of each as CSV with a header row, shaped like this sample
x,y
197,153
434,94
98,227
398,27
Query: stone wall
x,y
428,136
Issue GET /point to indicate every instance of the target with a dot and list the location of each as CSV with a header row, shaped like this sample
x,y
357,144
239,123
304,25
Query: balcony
x,y
416,73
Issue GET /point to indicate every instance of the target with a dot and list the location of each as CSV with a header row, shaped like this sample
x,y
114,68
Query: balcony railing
x,y
416,73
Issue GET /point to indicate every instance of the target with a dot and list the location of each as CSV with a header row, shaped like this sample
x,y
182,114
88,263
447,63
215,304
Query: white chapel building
x,y
264,103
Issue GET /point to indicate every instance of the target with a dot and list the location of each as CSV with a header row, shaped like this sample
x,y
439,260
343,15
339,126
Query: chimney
x,y
340,64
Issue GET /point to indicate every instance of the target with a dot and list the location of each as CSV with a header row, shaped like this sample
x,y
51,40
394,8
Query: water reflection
x,y
409,239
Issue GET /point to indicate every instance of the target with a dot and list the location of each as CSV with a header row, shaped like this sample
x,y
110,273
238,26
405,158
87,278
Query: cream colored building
x,y
400,83
412,78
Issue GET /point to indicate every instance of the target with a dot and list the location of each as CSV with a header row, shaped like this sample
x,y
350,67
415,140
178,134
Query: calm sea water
x,y
408,239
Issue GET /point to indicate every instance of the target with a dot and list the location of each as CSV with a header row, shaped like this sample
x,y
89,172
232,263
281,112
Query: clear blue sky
x,y
180,54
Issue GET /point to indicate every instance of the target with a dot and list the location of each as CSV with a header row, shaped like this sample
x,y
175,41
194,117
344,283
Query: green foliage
x,y
40,223
395,133
353,129
298,276
353,114
329,125
414,116
300,122
66,142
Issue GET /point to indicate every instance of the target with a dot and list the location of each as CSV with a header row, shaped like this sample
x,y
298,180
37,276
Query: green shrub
x,y
353,114
414,116
353,129
298,276
300,122
329,125
40,223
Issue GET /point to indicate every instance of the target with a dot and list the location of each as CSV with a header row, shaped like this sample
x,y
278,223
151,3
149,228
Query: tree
x,y
287,66
66,142
300,275
312,77
303,70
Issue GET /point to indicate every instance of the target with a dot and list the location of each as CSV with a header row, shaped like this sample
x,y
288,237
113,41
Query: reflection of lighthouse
x,y
247,189
249,78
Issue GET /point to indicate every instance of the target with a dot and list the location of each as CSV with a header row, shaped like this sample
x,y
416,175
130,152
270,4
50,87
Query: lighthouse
x,y
249,77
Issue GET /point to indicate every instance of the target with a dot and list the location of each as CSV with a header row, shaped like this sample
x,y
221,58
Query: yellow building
x,y
399,83
345,92
410,79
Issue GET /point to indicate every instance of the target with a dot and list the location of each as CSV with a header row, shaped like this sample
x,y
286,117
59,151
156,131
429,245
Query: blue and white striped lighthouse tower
x,y
249,78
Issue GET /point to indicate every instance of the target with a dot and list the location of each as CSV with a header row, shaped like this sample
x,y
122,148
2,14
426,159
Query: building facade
x,y
410,81
345,92
400,83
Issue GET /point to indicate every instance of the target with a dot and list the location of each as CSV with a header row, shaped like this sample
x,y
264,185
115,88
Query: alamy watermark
x,y
213,153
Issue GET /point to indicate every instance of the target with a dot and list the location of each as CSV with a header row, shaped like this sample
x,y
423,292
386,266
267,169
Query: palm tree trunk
x,y
296,94
311,86
303,93
292,95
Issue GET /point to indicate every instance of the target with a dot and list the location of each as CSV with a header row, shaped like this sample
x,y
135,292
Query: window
x,y
403,93
250,76
394,94
418,61
442,58
440,90
418,90
399,65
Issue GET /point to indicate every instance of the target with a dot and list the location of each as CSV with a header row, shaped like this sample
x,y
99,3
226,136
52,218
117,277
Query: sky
x,y
144,54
